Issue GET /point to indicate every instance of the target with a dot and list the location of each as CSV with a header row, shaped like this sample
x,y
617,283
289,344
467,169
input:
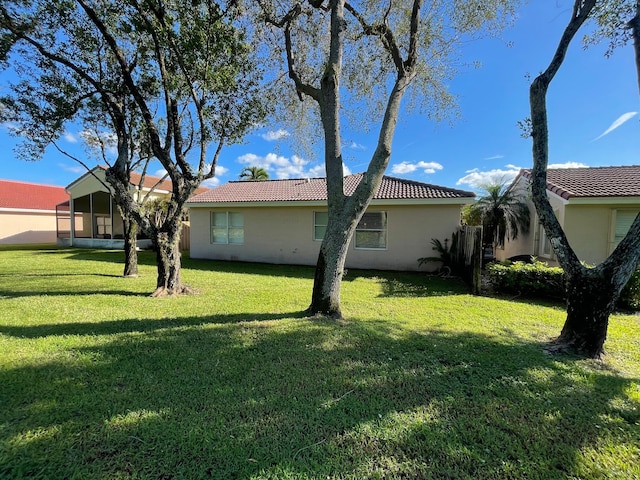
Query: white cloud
x,y
319,171
282,167
494,157
160,173
356,146
406,167
108,139
567,165
476,178
212,182
220,170
78,169
70,137
617,123
273,135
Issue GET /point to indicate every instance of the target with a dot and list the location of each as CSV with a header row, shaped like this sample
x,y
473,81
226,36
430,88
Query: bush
x,y
537,279
630,296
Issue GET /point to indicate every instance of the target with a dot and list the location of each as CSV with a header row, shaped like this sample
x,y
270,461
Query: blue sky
x,y
593,119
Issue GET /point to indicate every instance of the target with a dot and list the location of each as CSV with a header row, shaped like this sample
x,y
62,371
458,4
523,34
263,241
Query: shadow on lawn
x,y
393,283
114,327
147,258
355,400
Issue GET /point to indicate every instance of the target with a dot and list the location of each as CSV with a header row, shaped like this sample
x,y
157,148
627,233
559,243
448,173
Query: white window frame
x,y
228,228
103,225
383,230
317,225
544,241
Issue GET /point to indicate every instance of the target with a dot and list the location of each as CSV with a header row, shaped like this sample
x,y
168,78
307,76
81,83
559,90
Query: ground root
x,y
559,346
165,292
318,315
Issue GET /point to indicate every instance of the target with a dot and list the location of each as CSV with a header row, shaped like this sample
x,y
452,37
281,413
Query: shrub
x,y
630,296
535,279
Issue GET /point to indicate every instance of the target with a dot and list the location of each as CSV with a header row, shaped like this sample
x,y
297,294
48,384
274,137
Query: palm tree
x,y
502,213
254,173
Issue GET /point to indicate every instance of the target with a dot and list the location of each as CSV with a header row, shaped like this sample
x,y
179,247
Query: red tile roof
x,y
30,196
315,189
150,182
593,182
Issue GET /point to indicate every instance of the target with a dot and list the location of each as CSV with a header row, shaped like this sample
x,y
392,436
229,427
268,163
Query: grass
x,y
97,380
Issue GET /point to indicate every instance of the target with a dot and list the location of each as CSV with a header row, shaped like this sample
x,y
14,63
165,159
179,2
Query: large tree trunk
x,y
325,298
591,298
168,257
130,246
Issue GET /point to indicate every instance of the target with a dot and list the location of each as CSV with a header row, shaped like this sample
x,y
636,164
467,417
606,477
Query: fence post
x,y
476,260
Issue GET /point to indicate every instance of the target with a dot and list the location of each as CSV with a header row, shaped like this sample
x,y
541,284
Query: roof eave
x,y
627,200
323,203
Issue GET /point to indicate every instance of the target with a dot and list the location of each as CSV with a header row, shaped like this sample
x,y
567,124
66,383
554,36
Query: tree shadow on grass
x,y
313,399
114,327
64,292
393,283
147,258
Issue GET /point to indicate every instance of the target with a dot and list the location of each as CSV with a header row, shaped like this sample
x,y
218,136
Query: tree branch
x,y
284,23
540,134
152,131
382,31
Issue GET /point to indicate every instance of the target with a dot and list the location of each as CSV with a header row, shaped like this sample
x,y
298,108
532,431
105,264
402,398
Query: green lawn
x,y
99,381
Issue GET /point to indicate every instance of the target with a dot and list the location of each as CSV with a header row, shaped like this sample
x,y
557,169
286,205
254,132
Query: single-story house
x,y
28,212
595,207
96,220
283,222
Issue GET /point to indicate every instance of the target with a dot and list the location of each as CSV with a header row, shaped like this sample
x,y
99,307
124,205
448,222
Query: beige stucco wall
x,y
589,229
23,227
284,235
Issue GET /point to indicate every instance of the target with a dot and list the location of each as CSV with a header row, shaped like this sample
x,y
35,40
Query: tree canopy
x,y
253,173
167,78
356,62
503,213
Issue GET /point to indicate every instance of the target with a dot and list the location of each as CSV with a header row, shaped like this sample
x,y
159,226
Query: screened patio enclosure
x,y
95,222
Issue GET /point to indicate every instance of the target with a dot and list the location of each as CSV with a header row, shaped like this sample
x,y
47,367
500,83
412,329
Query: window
x,y
227,228
545,249
320,220
371,232
624,219
103,225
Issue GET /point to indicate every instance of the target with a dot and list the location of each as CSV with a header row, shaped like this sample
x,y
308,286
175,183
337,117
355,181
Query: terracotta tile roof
x,y
315,189
569,183
150,181
30,196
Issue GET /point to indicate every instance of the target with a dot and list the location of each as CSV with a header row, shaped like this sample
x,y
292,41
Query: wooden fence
x,y
466,255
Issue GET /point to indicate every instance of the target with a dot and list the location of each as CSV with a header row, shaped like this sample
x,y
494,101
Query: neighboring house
x,y
28,212
595,207
283,222
97,220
